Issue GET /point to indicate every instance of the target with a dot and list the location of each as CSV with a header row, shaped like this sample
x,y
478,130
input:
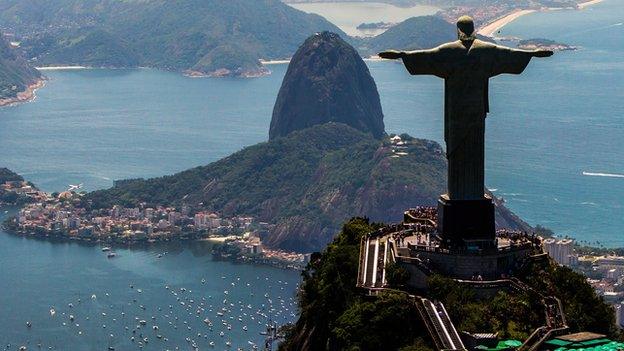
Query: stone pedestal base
x,y
467,224
491,265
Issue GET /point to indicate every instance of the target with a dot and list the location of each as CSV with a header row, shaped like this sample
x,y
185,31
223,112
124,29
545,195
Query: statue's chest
x,y
469,66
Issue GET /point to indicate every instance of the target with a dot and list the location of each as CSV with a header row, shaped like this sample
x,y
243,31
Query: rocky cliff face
x,y
327,81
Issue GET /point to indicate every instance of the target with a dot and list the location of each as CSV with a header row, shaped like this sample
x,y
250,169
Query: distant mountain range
x,y
212,37
16,75
309,179
198,37
414,33
445,3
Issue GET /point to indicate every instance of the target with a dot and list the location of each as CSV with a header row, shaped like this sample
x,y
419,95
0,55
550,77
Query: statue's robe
x,y
466,68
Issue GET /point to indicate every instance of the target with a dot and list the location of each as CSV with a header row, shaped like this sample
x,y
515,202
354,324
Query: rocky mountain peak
x,y
327,81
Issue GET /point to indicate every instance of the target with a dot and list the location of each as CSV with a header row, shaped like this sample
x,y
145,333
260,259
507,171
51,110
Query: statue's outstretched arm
x,y
531,53
391,54
514,61
542,53
395,54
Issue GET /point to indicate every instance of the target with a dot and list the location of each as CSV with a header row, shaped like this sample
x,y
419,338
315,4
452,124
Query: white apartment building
x,y
562,251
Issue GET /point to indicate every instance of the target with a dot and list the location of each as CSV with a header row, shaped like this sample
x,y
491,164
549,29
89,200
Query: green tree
x,y
396,275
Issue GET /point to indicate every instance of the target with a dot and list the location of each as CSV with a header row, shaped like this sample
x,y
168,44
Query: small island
x,y
375,26
544,44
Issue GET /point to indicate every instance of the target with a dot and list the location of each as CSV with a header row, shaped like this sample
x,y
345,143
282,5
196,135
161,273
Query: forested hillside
x,y
213,37
16,75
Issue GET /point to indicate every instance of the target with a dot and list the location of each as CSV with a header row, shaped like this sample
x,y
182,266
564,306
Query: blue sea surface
x,y
78,299
561,118
555,153
96,126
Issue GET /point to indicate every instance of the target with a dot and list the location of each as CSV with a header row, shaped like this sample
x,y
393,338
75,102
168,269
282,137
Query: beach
x,y
490,29
589,3
60,68
25,95
274,62
284,62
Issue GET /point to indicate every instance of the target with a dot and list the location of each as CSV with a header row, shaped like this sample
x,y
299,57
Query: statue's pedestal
x,y
467,224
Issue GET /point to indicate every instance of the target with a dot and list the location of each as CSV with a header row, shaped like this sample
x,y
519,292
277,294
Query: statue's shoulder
x,y
453,45
480,44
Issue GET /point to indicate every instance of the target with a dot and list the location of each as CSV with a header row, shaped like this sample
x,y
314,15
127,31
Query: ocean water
x,y
348,15
95,126
174,293
555,134
555,153
555,149
567,164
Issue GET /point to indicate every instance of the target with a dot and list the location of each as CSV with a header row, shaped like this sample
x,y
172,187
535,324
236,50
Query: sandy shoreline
x,y
490,29
274,62
24,96
283,62
589,3
220,239
60,68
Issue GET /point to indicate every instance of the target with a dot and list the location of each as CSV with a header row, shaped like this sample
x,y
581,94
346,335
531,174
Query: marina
x,y
183,300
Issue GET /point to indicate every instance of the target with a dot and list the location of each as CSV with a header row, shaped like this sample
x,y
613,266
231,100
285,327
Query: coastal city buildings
x,y
604,273
19,191
561,250
65,216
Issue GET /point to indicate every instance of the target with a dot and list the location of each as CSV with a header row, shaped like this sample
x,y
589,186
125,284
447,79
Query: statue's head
x,y
466,28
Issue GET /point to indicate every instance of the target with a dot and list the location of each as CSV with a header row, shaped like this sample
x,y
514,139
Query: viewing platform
x,y
416,245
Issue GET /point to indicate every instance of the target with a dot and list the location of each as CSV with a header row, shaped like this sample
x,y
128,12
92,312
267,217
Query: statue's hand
x,y
543,53
391,54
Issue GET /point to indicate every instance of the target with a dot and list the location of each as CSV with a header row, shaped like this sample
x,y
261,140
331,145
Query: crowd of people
x,y
424,212
517,237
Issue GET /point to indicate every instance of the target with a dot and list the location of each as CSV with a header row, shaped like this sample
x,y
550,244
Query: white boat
x,y
106,249
111,255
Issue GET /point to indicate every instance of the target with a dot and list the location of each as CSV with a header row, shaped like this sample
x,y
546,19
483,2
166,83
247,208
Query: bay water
x,y
555,153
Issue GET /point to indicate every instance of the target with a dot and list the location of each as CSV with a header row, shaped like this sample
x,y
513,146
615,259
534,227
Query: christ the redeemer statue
x,y
466,65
